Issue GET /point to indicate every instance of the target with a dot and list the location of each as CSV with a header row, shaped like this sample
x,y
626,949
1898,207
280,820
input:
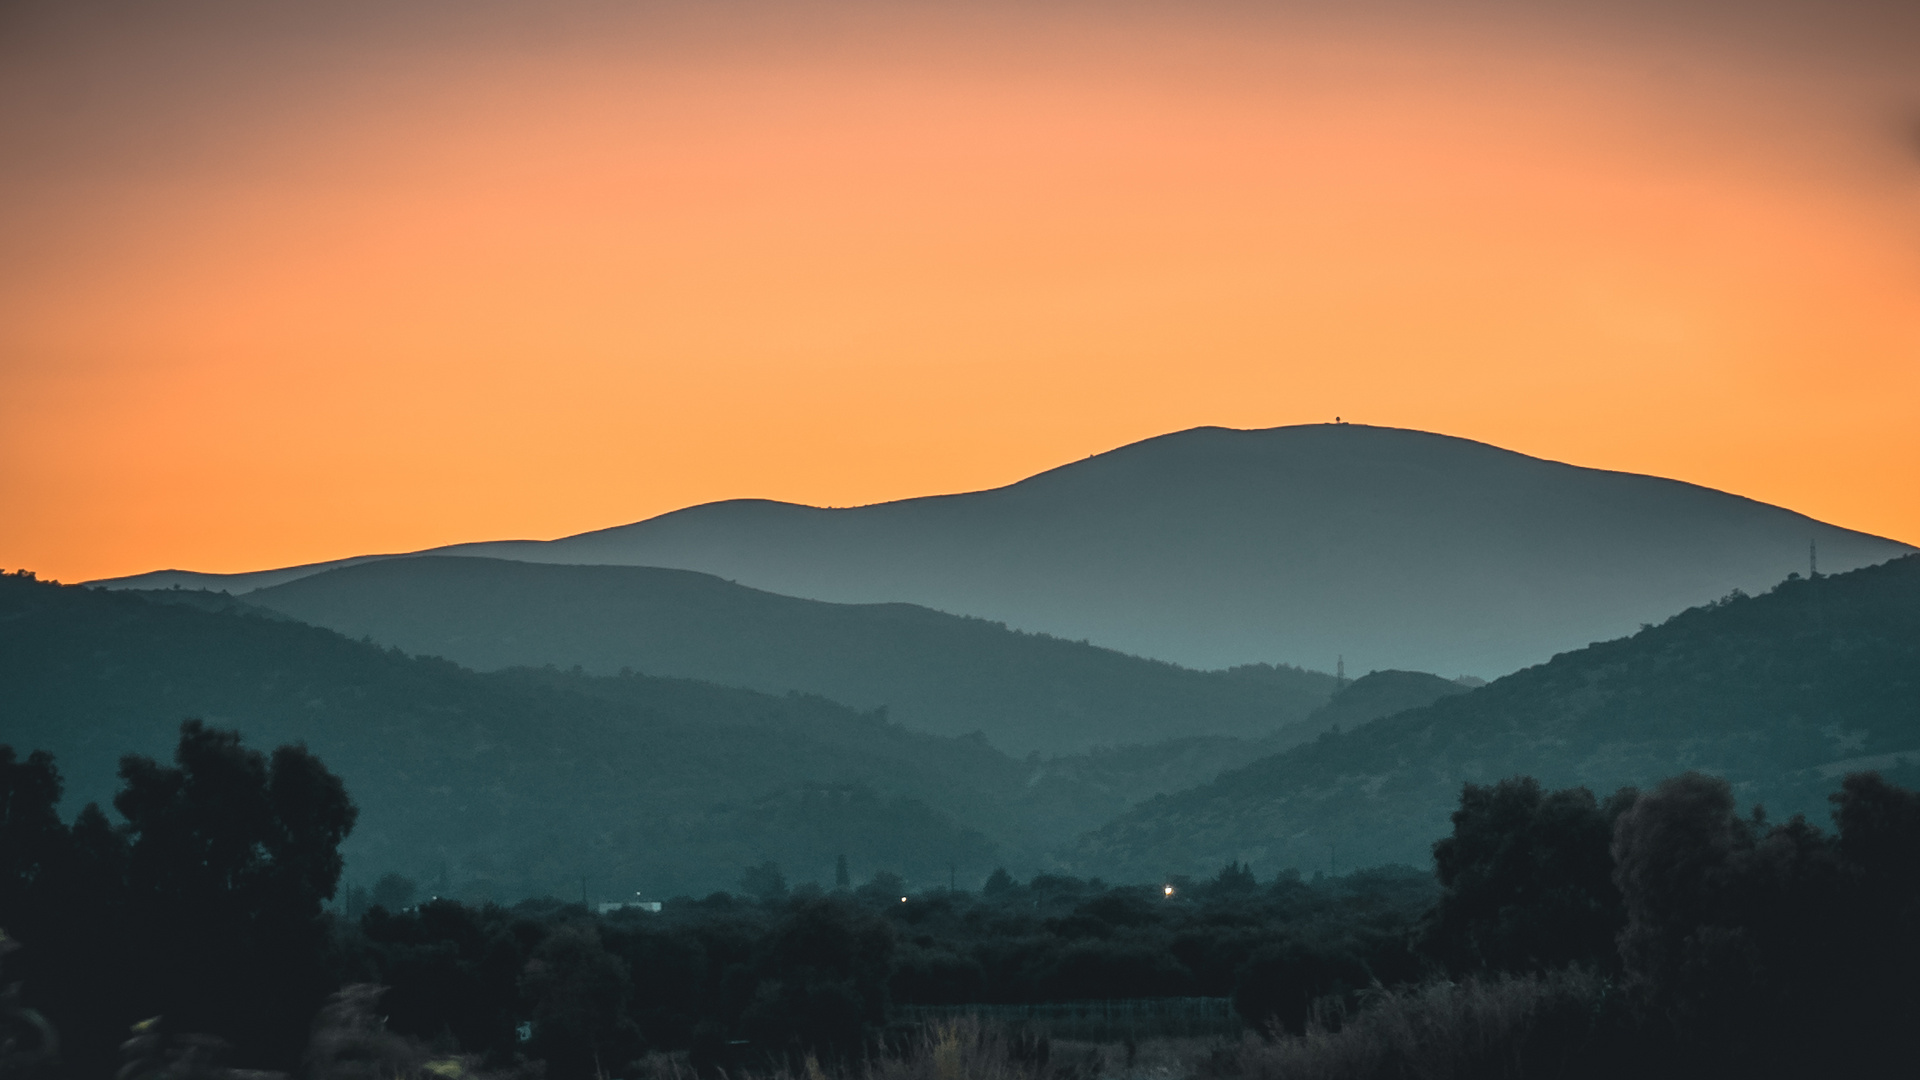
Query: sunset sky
x,y
288,282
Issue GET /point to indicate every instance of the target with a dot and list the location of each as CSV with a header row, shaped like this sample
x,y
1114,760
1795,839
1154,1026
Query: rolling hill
x,y
931,671
1134,773
521,782
1213,547
1782,694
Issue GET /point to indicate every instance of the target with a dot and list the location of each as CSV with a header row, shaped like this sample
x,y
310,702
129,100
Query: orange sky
x,y
284,287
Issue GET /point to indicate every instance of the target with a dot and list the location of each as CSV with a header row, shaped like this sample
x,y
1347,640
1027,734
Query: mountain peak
x,y
1213,546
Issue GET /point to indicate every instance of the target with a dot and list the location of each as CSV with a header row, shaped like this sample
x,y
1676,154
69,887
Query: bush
x,y
1766,949
1526,880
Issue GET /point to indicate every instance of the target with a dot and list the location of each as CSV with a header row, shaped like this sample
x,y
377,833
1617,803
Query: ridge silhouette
x,y
1213,547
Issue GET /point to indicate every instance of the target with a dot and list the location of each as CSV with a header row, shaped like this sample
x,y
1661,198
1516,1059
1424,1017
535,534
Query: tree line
x,y
1710,938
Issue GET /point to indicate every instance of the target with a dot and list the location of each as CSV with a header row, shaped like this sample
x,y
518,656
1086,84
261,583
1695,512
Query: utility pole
x,y
1813,559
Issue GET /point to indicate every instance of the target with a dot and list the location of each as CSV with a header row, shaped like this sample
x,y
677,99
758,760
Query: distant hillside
x,y
1377,694
1134,773
522,781
931,671
1781,693
1212,547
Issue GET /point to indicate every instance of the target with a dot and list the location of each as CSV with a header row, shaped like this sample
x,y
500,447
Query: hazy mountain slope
x,y
1213,547
1781,693
1134,773
1377,694
526,780
934,672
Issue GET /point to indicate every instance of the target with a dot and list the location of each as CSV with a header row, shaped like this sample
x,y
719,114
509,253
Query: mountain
x,y
1377,694
521,782
1134,773
1782,694
931,671
1213,547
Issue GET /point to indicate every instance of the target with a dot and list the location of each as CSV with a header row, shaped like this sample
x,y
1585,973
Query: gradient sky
x,y
280,284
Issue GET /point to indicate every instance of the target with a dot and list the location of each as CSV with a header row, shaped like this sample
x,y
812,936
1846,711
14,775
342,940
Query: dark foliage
x,y
1526,880
749,982
818,981
1745,948
1282,982
576,994
205,906
1724,944
1774,949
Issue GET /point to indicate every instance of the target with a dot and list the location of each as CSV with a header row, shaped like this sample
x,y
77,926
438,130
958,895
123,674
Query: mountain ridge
x,y
516,781
1780,693
945,674
1213,547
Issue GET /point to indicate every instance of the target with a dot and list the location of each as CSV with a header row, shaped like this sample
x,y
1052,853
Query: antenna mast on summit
x,y
1813,559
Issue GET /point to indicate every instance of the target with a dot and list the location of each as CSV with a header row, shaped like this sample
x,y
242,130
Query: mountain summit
x,y
1213,547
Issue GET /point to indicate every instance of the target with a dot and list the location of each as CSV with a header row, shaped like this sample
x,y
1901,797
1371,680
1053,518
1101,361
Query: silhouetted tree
x,y
230,858
884,887
819,982
393,891
1880,840
1880,835
451,970
62,893
578,994
764,882
1526,880
999,883
1234,879
205,907
33,840
1747,938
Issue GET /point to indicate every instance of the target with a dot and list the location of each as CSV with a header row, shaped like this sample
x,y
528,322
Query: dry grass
x,y
1506,1028
963,1048
350,1042
1509,1028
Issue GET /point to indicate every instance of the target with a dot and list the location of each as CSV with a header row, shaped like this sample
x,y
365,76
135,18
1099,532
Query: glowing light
x,y
1169,890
